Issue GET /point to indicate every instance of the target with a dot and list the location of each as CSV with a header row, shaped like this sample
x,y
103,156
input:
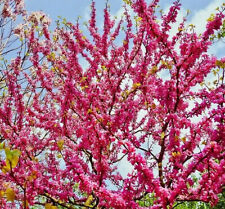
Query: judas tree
x,y
80,108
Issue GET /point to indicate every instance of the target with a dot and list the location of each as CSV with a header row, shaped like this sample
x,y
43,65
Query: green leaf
x,y
2,145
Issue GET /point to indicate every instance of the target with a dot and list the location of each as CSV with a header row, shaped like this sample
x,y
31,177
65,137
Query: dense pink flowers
x,y
109,120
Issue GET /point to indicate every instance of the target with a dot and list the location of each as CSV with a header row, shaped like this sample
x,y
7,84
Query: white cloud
x,y
200,17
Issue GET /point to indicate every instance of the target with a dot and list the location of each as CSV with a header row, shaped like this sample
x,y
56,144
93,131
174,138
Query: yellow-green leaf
x,y
6,168
211,18
50,206
128,2
1,193
136,85
60,144
10,194
2,145
11,154
89,201
162,135
83,79
89,111
183,139
12,158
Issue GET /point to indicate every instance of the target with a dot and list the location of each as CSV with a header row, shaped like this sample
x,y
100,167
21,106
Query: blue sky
x,y
71,9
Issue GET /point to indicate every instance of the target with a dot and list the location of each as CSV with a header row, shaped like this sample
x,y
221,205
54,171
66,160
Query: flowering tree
x,y
77,107
10,12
